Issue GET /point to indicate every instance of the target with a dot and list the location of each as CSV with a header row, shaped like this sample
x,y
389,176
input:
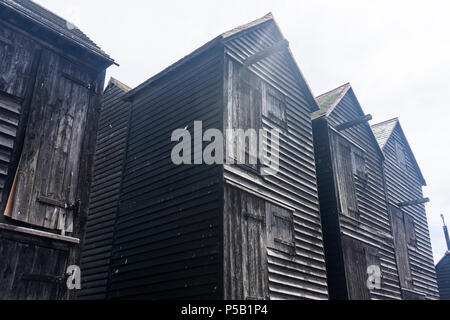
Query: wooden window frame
x,y
276,241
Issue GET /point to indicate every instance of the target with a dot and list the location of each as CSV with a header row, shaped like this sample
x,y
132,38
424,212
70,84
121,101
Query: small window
x,y
275,107
280,229
401,155
359,165
345,177
410,230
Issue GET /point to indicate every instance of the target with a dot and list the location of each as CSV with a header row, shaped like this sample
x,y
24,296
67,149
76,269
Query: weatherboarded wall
x,y
166,238
104,194
403,184
275,219
362,235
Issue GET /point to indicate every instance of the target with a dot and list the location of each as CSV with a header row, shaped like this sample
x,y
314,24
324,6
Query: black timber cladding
x,y
171,229
293,274
166,236
364,222
105,191
443,276
404,182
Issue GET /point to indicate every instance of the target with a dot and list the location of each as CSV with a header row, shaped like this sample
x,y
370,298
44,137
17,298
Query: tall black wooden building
x,y
355,219
404,182
443,268
208,231
51,76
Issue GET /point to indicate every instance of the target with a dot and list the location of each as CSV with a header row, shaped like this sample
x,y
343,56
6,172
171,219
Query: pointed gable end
x,y
278,45
384,132
329,102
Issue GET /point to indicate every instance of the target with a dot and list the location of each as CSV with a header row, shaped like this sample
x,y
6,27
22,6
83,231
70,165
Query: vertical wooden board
x,y
8,263
355,269
401,247
50,164
344,176
246,261
16,58
39,108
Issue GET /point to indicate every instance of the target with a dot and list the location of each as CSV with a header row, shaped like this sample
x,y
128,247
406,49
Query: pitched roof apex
x,y
329,100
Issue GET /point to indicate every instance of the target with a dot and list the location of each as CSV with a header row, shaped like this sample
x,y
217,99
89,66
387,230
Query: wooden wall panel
x,y
294,187
403,184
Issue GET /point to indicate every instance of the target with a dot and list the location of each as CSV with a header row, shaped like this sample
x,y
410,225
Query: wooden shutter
x,y
355,269
280,229
401,247
48,174
10,113
248,115
401,156
344,176
410,230
359,164
274,107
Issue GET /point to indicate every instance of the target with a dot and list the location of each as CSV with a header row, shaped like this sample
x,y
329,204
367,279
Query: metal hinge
x,y
254,217
43,278
60,204
90,86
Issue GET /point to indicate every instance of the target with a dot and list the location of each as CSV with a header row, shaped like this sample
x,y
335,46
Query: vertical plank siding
x,y
372,228
48,106
166,242
105,192
301,276
404,185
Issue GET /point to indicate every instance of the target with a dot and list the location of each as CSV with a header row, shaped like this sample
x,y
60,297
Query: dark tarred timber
x,y
105,191
211,231
404,182
355,217
50,81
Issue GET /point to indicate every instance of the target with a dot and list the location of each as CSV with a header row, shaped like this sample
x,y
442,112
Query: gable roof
x,y
445,260
329,100
222,39
383,132
113,82
47,19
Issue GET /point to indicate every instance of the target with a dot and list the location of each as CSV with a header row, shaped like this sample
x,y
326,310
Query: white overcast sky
x,y
396,55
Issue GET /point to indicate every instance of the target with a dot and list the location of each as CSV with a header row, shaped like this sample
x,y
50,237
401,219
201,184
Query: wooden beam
x,y
277,47
353,123
413,202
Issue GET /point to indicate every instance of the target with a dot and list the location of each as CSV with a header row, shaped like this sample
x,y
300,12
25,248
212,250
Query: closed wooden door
x,y
46,193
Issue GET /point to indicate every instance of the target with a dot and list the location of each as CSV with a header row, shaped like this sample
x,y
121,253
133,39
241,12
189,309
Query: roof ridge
x,y
386,121
119,84
246,26
200,50
335,89
54,23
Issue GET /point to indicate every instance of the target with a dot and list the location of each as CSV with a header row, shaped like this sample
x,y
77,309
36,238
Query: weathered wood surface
x,y
356,170
45,109
23,254
52,148
403,184
276,86
245,256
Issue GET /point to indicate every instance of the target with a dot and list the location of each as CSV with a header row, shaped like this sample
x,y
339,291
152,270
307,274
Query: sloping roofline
x,y
326,111
54,23
226,36
114,82
402,133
